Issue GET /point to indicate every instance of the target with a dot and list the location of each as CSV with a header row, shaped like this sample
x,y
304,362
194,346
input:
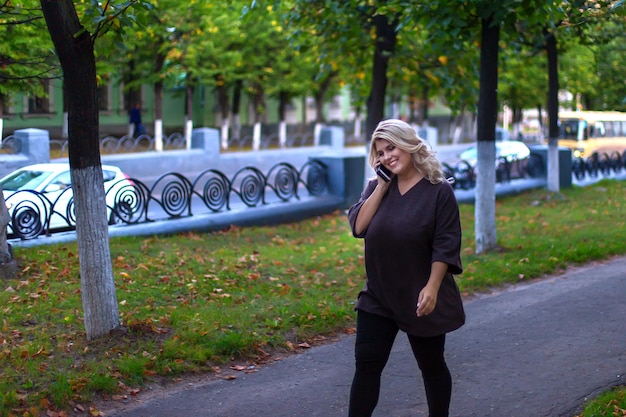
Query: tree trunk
x,y
282,118
540,120
553,114
74,48
258,100
2,96
158,104
485,207
188,114
5,253
385,43
222,99
158,116
320,96
425,100
236,109
64,128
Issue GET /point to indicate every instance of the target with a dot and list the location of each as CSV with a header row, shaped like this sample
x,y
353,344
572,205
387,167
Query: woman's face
x,y
397,160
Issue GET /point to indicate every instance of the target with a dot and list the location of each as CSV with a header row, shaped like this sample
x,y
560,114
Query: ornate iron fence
x,y
10,145
172,195
599,163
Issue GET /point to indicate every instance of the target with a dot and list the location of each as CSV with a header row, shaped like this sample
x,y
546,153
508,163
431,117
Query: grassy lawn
x,y
198,303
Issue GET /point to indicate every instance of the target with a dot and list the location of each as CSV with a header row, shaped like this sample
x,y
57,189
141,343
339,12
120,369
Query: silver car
x,y
40,198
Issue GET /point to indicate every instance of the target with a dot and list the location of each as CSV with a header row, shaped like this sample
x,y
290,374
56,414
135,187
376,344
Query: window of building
x,y
103,93
41,104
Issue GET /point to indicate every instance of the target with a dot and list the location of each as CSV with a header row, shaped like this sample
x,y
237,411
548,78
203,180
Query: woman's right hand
x,y
382,184
370,206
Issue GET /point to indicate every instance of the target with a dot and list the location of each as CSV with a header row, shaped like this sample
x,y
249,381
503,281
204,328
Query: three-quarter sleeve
x,y
353,212
447,232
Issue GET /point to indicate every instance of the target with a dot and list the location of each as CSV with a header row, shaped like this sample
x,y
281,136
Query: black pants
x,y
374,339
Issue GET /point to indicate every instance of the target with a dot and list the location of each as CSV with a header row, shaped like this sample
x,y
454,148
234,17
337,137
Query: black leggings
x,y
374,339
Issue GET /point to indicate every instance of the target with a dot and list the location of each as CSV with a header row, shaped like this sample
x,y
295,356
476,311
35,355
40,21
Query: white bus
x,y
593,132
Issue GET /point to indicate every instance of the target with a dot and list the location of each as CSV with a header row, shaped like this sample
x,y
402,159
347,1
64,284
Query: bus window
x,y
597,130
569,129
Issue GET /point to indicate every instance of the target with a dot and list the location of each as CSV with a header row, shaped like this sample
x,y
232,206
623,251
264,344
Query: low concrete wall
x,y
345,179
346,166
565,163
34,148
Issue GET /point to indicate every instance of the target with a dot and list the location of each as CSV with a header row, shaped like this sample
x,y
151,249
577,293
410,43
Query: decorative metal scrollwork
x,y
129,200
316,180
175,194
283,179
249,184
215,191
29,215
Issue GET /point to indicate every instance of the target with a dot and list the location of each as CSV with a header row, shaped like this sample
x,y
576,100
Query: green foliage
x,y
521,73
317,47
26,53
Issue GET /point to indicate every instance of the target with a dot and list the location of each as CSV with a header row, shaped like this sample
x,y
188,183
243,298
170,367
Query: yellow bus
x,y
586,133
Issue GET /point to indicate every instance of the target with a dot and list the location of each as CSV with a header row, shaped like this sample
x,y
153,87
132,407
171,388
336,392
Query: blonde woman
x,y
412,234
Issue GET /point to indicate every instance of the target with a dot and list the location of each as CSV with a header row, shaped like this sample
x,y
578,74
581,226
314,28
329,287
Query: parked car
x,y
40,198
513,160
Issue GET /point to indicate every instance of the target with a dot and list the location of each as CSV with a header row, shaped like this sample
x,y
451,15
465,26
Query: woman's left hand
x,y
427,298
426,302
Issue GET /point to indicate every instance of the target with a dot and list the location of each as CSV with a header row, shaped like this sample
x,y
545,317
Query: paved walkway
x,y
536,349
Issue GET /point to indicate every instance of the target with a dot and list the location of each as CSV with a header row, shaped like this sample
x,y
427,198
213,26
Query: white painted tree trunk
x,y
282,134
100,307
256,136
317,130
485,198
224,133
357,127
456,136
64,131
517,130
1,131
158,135
5,255
188,130
395,110
553,166
236,126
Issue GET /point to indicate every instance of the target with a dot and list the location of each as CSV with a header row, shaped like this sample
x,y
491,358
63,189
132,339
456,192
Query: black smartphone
x,y
383,172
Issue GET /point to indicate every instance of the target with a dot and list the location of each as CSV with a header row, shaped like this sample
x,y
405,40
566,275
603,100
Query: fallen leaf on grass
x,y
95,413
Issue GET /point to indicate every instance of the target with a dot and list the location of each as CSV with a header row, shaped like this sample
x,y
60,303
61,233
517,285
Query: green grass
x,y
199,303
609,404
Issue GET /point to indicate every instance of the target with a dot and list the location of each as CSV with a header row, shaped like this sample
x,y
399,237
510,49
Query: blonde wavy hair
x,y
401,135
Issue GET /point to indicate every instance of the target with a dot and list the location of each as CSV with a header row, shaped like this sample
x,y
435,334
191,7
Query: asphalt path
x,y
534,349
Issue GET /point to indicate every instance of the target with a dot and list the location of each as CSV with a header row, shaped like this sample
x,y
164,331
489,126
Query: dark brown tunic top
x,y
406,235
